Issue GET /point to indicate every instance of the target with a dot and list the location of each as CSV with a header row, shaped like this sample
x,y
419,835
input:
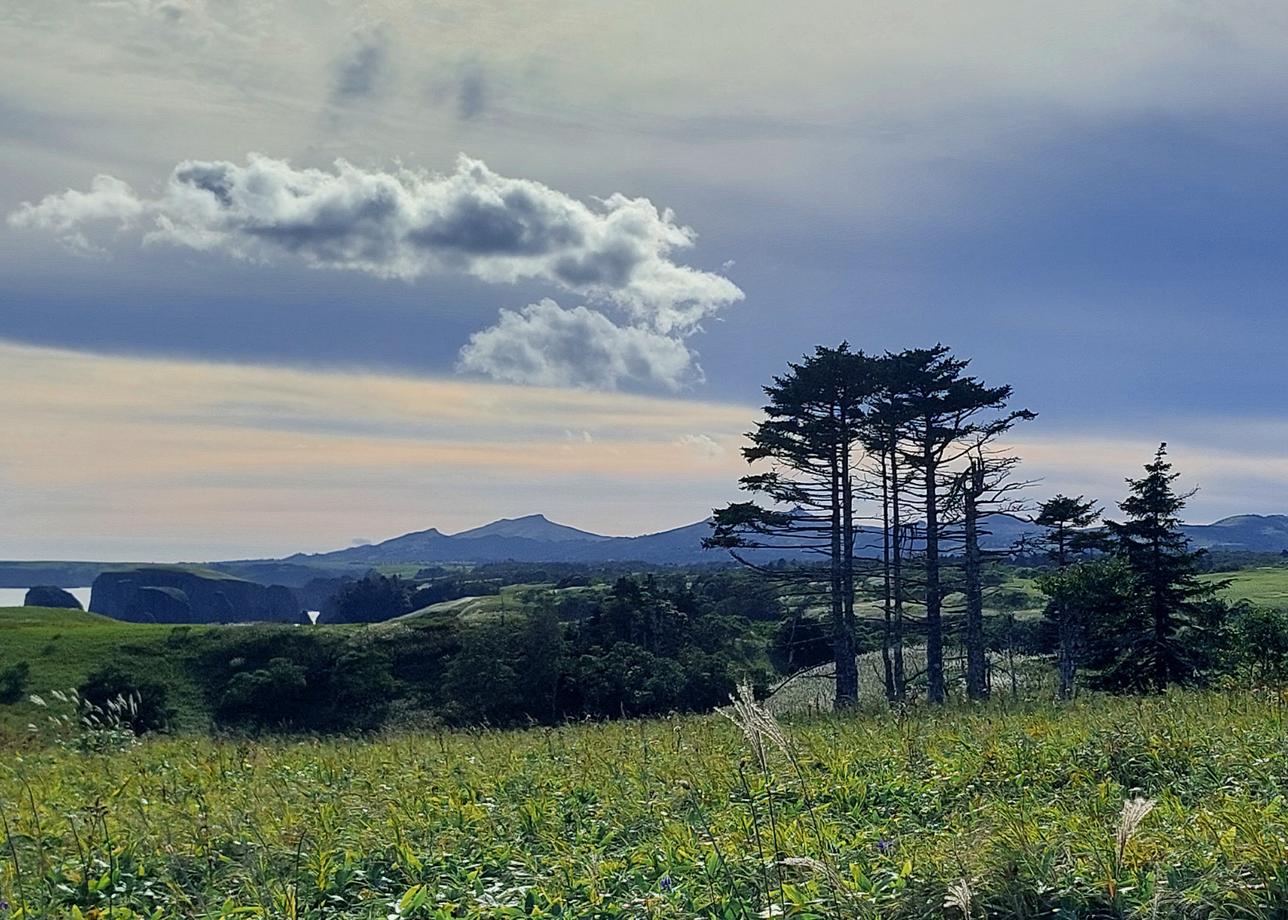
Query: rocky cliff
x,y
179,594
49,596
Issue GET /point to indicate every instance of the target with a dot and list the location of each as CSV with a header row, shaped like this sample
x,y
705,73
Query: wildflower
x,y
4,906
665,883
885,847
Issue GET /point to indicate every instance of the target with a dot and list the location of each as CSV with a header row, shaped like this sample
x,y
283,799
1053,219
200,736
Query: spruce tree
x,y
1068,534
1162,637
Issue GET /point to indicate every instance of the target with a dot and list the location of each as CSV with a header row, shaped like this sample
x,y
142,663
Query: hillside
x,y
63,647
1254,533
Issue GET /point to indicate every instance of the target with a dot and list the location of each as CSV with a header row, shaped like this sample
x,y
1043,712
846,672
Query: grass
x,y
63,647
1003,811
813,690
1266,586
512,599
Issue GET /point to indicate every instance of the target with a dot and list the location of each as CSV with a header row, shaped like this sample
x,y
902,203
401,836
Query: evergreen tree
x,y
950,415
985,487
1067,535
888,423
1162,640
814,422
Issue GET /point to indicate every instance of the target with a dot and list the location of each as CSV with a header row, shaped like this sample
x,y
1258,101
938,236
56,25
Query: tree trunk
x,y
1068,653
896,578
847,536
842,642
935,692
976,681
887,585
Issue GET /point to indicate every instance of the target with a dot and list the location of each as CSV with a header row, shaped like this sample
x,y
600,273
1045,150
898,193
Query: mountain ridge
x,y
535,538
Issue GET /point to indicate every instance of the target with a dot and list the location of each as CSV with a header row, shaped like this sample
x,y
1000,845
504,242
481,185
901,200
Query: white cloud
x,y
705,446
405,224
615,252
108,200
548,345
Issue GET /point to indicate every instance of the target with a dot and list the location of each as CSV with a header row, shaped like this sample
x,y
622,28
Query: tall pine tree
x,y
1163,636
814,422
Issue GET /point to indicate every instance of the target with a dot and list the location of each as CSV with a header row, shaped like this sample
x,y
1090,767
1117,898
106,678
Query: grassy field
x,y
512,599
1266,586
63,647
1002,811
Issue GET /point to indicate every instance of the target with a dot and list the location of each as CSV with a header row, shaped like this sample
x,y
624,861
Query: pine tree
x,y
1162,639
814,421
1068,534
951,414
985,487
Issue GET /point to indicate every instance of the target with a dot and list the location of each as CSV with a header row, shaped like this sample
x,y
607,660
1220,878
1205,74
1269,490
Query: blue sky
x,y
668,201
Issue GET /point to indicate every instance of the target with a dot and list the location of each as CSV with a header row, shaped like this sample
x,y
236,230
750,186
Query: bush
x,y
13,681
110,684
800,642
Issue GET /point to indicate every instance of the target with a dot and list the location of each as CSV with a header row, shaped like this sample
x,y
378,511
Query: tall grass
x,y
1015,810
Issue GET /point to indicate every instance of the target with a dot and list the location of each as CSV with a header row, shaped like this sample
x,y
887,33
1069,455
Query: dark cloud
x,y
472,93
365,69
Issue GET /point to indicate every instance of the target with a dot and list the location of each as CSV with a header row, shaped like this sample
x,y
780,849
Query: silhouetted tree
x,y
985,487
1162,641
814,421
950,413
1068,533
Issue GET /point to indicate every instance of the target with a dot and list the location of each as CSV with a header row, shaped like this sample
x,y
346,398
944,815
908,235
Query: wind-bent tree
x,y
1067,534
949,413
985,487
1164,634
889,416
814,420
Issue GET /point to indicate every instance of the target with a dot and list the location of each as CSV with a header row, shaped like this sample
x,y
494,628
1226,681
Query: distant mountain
x,y
1253,533
536,539
531,527
528,539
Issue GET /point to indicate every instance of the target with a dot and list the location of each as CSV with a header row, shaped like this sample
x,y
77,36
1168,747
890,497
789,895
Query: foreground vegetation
x,y
1000,810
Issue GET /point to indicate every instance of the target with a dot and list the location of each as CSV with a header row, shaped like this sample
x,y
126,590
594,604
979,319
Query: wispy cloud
x,y
152,446
364,69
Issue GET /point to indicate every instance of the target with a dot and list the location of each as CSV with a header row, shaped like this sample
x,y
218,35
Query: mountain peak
x,y
529,527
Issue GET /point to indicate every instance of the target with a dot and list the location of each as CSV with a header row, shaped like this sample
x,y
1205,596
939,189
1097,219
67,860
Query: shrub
x,y
110,684
13,681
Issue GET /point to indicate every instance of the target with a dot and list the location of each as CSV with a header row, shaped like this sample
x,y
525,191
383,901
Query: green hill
x,y
63,647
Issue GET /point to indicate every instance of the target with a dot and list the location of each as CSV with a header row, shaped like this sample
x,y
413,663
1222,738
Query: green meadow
x,y
1169,806
1002,810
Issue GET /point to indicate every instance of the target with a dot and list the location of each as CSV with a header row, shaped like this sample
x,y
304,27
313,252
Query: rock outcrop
x,y
178,594
49,596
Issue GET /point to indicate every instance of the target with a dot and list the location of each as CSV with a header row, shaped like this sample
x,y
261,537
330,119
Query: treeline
x,y
914,444
646,645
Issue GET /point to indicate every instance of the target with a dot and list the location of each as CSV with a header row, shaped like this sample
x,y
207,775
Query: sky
x,y
282,275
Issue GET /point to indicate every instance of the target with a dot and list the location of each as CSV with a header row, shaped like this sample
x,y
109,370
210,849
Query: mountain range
x,y
535,538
